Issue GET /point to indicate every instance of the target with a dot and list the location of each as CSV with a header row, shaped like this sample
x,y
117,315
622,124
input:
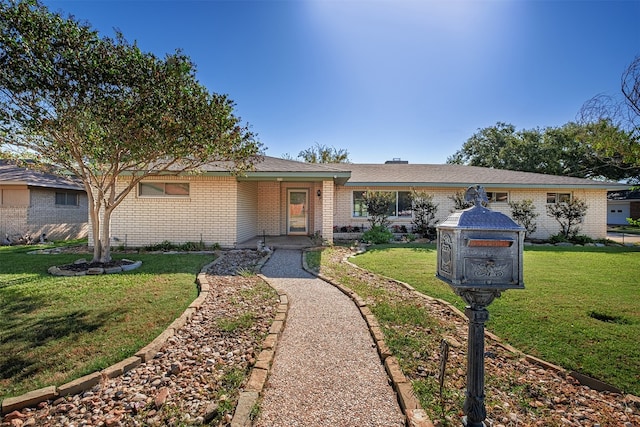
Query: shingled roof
x,y
12,174
450,175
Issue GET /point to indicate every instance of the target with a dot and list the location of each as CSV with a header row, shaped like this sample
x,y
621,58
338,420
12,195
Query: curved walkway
x,y
326,371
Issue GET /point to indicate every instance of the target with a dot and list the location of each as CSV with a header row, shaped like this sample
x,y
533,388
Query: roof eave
x,y
594,186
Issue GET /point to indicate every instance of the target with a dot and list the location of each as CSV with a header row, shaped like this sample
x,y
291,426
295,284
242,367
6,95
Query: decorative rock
x,y
112,270
210,412
175,368
129,267
161,397
95,271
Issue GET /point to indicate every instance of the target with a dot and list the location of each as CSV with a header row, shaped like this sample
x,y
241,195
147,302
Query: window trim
x,y
491,195
558,196
164,193
67,195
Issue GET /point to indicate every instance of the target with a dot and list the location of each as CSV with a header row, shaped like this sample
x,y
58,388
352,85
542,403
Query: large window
x,y
66,199
400,208
163,189
558,198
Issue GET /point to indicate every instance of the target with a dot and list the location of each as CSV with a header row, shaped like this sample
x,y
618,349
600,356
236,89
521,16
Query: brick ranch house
x,y
34,203
285,197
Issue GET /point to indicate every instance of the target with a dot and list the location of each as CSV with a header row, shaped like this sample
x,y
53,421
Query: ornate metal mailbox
x,y
480,248
479,256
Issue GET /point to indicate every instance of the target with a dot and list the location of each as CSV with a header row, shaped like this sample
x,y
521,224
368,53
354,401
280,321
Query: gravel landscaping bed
x,y
196,376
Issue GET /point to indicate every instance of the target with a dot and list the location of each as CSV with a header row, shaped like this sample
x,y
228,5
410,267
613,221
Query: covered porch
x,y
279,242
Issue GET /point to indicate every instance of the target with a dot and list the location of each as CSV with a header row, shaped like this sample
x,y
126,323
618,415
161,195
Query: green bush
x,y
377,235
581,239
558,238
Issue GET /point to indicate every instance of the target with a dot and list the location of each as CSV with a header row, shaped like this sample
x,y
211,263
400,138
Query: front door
x,y
297,221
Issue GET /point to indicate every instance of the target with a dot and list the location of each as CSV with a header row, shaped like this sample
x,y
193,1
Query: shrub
x,y
378,205
558,238
377,235
581,239
424,213
569,215
524,213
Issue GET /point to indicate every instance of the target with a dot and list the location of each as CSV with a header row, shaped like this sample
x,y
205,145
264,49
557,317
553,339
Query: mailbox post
x,y
479,256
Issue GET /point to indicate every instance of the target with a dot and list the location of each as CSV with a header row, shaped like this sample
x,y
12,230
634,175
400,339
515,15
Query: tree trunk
x,y
105,238
95,229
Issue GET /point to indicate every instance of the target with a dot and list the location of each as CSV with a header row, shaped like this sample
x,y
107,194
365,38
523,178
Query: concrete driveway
x,y
624,238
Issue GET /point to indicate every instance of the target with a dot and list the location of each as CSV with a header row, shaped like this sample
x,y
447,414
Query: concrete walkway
x,y
326,371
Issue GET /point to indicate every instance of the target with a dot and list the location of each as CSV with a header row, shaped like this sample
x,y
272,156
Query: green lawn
x,y
580,307
54,329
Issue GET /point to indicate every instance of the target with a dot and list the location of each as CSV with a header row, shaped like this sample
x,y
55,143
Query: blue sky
x,y
387,79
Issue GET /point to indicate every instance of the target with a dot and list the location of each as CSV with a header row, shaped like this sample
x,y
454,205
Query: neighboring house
x,y
285,197
33,203
621,205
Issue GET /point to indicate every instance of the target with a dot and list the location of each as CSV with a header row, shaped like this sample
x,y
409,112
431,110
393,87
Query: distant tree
x,y
524,213
570,150
569,215
101,108
323,154
424,213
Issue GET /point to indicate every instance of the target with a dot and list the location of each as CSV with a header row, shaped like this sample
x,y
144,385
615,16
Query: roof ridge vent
x,y
396,161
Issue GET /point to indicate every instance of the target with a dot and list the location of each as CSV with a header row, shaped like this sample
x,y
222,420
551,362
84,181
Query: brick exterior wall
x,y
269,208
247,211
209,213
595,224
42,215
327,210
224,211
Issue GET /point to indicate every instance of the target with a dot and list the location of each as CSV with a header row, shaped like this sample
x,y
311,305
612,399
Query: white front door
x,y
297,212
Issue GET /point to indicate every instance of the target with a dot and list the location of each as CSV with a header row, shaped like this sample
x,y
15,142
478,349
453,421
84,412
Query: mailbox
x,y
479,248
479,256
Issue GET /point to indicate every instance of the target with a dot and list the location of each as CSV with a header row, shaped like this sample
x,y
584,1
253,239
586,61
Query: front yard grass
x,y
580,308
55,329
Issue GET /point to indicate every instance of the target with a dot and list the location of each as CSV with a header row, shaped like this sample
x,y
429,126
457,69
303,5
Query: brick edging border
x,y
415,415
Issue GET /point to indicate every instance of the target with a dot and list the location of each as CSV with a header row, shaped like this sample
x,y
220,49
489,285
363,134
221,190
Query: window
x,y
163,189
66,199
359,207
497,196
404,204
558,198
401,206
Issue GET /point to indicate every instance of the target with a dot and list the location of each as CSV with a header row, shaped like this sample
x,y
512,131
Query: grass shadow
x,y
28,336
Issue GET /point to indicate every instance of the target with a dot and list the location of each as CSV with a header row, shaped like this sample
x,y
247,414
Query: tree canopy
x,y
624,112
571,150
102,108
323,154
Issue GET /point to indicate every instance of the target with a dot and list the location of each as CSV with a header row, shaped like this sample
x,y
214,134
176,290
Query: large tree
x,y
569,150
107,112
623,111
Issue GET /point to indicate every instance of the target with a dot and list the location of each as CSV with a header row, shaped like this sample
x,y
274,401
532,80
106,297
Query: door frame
x,y
305,209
